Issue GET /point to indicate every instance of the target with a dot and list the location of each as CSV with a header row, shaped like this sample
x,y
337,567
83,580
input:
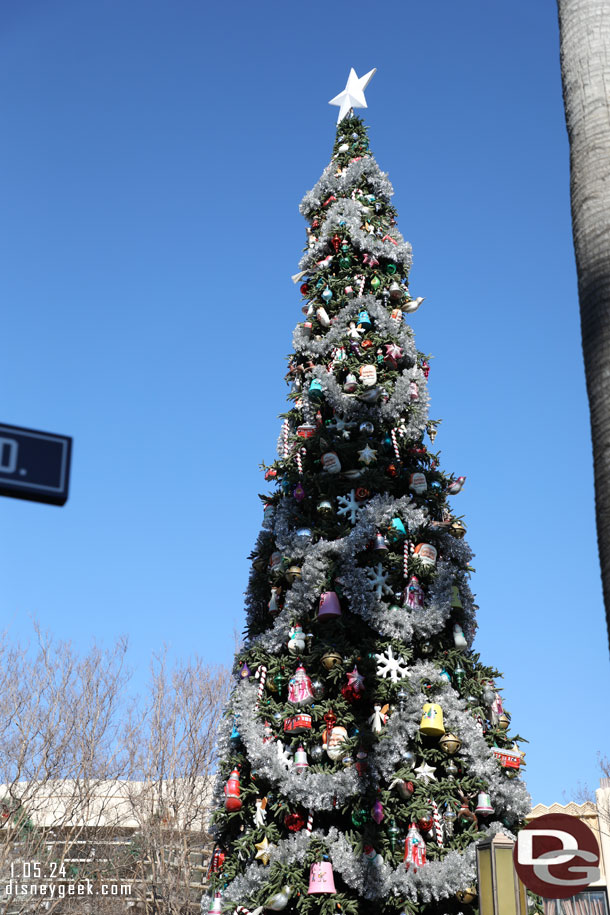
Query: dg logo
x,y
556,856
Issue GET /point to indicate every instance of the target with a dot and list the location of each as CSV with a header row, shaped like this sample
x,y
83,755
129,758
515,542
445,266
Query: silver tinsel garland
x,y
316,791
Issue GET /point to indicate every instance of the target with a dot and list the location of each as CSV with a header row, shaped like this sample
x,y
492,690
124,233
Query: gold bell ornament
x,y
432,720
503,721
467,896
458,529
330,659
450,744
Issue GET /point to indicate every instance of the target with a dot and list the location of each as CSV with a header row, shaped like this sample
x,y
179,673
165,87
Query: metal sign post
x,y
34,465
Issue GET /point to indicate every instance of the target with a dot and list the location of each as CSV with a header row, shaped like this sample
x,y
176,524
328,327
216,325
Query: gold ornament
x,y
467,896
432,720
503,721
293,574
264,851
457,529
330,659
450,743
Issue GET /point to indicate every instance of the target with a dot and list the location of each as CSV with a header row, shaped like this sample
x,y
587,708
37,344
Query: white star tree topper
x,y
353,94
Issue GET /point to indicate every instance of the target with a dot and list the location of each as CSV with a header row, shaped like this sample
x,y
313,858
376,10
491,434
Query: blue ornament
x,y
397,528
364,319
327,295
435,485
235,735
315,392
445,676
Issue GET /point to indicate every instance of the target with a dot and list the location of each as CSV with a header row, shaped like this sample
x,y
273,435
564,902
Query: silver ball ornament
x,y
318,688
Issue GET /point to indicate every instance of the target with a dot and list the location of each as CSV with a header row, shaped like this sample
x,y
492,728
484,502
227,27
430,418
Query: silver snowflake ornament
x,y
389,666
283,754
349,506
379,580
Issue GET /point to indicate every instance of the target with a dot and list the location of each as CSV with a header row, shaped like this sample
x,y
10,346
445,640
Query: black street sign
x,y
34,465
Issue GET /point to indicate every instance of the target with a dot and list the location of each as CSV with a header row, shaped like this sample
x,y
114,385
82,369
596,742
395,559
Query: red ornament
x,y
425,369
331,719
365,344
415,849
336,243
354,688
304,289
232,792
361,761
218,859
315,223
425,823
348,692
270,474
392,470
294,821
362,494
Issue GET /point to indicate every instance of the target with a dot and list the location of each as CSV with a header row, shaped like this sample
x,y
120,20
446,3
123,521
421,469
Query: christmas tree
x,y
366,749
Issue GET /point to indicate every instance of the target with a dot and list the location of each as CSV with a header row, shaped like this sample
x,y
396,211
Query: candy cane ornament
x,y
285,427
361,281
309,827
299,460
261,673
405,561
438,823
395,443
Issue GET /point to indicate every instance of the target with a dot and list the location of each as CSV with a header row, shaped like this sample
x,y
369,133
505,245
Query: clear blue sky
x,y
153,157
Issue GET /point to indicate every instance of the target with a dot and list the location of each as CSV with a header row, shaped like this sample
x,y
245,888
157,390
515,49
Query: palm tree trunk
x,y
584,27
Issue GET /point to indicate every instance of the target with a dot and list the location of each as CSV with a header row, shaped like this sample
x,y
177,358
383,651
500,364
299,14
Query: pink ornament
x,y
321,878
377,812
300,691
497,709
329,606
414,596
415,848
298,492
